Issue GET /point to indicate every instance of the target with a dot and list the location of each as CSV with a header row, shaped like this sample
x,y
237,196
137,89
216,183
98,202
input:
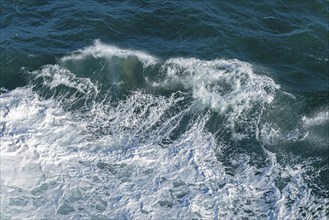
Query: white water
x,y
112,161
98,49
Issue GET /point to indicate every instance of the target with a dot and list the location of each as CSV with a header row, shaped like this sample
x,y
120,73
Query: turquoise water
x,y
167,110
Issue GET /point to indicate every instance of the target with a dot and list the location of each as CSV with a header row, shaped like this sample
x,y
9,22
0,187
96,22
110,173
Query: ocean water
x,y
164,110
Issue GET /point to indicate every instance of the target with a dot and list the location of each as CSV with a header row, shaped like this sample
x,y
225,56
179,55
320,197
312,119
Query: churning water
x,y
171,110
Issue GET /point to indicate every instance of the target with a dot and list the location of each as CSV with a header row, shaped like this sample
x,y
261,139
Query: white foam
x,y
296,200
229,87
222,84
121,161
318,126
55,75
101,50
317,119
270,134
312,129
56,167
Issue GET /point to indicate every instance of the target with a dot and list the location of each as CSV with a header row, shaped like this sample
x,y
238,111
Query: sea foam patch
x,y
318,119
54,168
147,155
229,87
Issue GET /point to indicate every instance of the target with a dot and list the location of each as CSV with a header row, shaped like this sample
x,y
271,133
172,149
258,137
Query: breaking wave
x,y
109,133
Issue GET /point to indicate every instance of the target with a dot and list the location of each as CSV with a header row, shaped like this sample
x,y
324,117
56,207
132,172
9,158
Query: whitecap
x,y
101,50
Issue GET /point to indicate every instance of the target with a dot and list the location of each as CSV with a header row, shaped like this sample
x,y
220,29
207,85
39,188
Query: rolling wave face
x,y
117,133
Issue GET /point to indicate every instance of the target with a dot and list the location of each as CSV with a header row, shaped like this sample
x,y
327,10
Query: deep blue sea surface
x,y
164,109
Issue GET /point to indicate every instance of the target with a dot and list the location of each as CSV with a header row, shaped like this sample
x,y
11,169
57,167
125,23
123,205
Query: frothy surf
x,y
148,155
99,49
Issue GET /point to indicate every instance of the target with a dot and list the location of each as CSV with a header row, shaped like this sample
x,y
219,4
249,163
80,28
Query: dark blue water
x,y
166,110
